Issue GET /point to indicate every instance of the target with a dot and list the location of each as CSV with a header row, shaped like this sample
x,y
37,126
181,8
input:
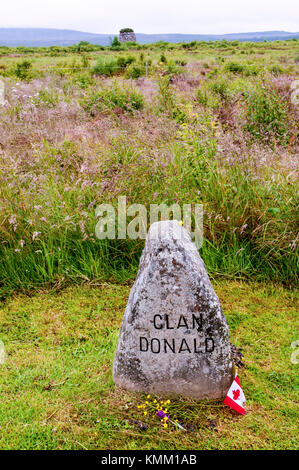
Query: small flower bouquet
x,y
161,411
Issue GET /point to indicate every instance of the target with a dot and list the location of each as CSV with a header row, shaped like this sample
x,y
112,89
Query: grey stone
x,y
174,337
128,36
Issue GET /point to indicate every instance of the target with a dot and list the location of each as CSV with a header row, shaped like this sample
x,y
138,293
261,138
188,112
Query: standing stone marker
x,y
174,337
127,35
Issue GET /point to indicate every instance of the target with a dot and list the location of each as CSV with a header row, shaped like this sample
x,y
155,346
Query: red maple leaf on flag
x,y
235,397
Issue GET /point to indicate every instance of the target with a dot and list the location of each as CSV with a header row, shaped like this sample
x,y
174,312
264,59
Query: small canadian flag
x,y
235,397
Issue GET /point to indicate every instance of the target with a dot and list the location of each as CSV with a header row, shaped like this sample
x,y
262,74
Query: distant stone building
x,y
127,35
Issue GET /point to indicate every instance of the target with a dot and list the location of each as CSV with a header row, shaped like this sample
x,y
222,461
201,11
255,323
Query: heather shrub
x,y
124,61
127,99
84,80
106,67
202,96
23,70
84,46
166,95
243,69
132,45
220,88
234,67
46,98
251,69
276,69
167,100
208,96
173,69
85,61
266,115
240,85
181,62
213,73
135,71
113,66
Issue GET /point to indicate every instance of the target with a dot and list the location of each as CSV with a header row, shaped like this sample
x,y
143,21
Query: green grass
x,y
57,391
212,123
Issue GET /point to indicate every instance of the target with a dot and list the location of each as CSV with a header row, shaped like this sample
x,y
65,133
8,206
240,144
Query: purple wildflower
x,y
161,414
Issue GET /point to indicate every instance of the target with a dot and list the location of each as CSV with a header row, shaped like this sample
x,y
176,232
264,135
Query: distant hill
x,y
65,37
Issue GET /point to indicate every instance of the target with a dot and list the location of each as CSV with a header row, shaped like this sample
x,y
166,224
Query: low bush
x,y
106,67
135,71
124,61
220,88
244,69
266,115
23,70
112,66
173,69
167,100
46,98
202,96
276,69
84,80
234,67
127,99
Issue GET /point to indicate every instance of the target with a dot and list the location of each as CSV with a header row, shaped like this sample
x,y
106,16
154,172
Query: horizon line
x,y
160,33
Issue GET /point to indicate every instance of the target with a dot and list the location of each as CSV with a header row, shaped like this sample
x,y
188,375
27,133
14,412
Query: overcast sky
x,y
153,16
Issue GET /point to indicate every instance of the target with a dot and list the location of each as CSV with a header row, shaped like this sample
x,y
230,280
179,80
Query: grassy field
x,y
57,390
208,123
